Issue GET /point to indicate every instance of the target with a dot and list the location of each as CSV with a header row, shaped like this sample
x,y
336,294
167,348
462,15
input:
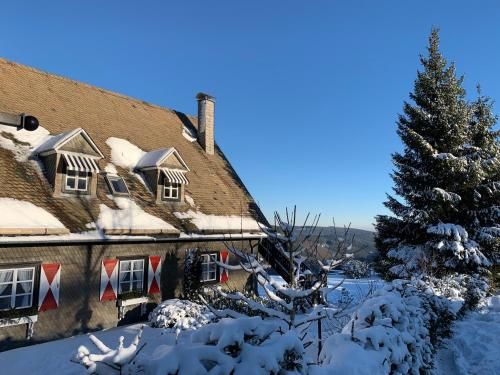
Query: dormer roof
x,y
155,159
57,142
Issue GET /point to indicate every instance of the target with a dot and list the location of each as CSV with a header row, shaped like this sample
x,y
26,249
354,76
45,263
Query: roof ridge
x,y
88,85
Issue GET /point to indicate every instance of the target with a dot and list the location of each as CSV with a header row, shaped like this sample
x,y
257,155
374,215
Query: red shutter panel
x,y
50,282
109,280
224,273
154,275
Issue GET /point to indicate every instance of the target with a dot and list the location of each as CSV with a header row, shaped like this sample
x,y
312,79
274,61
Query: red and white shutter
x,y
224,272
154,275
50,282
109,280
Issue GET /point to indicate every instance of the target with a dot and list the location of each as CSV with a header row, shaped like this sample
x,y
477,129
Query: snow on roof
x,y
28,140
124,153
130,216
189,134
156,157
216,222
56,141
25,215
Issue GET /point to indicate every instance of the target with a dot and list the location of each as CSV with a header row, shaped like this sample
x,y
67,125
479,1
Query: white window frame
x,y
206,263
79,176
169,188
132,268
14,283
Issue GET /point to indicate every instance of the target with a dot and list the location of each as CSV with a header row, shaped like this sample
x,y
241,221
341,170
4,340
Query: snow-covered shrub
x,y
231,346
356,269
389,334
179,315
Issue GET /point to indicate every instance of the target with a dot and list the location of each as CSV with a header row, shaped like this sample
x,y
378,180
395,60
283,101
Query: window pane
x,y
119,185
137,285
23,301
70,182
82,184
25,274
5,289
125,266
24,287
4,303
71,172
139,265
6,276
124,276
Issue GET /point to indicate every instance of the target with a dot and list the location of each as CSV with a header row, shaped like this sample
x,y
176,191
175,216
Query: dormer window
x,y
117,185
171,190
76,181
165,172
70,161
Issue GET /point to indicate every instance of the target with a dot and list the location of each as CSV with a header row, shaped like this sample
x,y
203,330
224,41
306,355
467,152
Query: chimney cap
x,y
203,96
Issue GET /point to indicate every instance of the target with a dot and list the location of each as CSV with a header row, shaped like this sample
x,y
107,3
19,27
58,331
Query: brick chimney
x,y
206,109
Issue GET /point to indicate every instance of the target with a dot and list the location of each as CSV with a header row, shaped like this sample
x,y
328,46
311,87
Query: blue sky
x,y
307,92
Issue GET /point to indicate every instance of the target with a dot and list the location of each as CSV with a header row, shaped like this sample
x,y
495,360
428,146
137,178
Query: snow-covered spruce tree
x,y
432,229
483,199
303,298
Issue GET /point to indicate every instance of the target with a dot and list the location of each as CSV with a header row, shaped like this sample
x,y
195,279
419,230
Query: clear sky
x,y
307,92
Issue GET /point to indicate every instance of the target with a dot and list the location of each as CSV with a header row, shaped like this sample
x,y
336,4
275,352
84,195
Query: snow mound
x,y
473,348
129,216
124,153
179,315
189,134
215,222
25,141
22,214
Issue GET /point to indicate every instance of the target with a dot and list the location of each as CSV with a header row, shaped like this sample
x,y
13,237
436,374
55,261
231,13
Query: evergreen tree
x,y
435,176
484,199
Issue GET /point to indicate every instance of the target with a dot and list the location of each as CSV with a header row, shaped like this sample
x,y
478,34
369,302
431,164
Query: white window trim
x,y
171,187
207,265
77,177
131,261
14,283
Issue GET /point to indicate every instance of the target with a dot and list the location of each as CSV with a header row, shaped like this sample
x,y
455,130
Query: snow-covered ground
x,y
474,348
55,357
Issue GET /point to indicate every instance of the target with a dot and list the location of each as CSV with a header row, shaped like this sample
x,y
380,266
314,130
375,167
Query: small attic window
x,y
117,185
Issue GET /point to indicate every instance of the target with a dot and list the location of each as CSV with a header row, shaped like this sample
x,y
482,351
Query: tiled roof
x,y
62,105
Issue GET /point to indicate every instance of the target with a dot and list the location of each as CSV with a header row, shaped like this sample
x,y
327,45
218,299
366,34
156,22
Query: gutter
x,y
129,241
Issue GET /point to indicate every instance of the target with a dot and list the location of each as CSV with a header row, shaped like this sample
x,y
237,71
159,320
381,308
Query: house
x,y
100,204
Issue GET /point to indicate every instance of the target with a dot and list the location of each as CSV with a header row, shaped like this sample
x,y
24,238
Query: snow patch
x,y
29,140
124,153
215,222
22,214
129,216
111,169
189,134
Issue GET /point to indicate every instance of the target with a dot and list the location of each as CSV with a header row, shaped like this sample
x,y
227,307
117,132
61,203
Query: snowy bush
x,y
179,315
389,334
356,269
231,346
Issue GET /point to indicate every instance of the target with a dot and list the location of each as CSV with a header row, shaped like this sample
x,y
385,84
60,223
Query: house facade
x,y
100,205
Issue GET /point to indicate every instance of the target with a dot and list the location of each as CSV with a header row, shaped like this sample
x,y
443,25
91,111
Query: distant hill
x,y
363,246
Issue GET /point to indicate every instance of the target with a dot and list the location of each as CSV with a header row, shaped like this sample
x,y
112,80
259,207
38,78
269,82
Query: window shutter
x,y
154,275
50,282
224,273
109,280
